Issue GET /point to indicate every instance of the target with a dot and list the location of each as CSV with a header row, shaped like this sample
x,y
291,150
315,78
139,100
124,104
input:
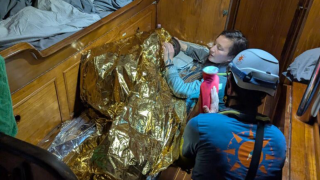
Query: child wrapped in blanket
x,y
227,45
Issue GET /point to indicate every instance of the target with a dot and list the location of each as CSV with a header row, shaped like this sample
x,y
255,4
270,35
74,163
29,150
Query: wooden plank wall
x,y
193,20
310,35
266,23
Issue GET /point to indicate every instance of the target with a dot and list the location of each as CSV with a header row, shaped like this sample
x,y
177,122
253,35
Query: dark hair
x,y
247,99
240,42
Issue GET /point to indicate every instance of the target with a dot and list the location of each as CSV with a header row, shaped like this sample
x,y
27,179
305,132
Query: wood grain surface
x,y
310,35
304,151
193,20
266,23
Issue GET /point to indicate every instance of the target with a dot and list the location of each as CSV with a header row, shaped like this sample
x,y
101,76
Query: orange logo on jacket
x,y
240,149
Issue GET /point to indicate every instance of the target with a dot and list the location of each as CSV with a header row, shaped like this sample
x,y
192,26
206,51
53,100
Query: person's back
x,y
224,148
239,143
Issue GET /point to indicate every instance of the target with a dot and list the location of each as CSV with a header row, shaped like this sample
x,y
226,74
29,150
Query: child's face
x,y
219,52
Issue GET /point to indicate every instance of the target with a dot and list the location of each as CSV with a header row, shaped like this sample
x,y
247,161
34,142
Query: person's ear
x,y
230,88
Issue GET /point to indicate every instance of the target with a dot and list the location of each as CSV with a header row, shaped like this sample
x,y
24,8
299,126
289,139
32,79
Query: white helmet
x,y
256,69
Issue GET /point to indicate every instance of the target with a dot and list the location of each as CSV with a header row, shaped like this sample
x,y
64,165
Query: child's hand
x,y
168,53
214,106
183,46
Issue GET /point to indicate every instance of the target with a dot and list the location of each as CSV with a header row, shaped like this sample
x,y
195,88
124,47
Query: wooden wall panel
x,y
57,74
310,35
39,113
266,23
145,22
233,12
42,101
193,20
71,80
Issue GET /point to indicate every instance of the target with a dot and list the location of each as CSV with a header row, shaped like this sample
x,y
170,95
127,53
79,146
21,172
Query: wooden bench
x,y
303,144
43,84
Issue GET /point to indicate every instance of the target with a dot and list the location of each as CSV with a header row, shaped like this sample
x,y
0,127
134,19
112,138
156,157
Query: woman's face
x,y
219,52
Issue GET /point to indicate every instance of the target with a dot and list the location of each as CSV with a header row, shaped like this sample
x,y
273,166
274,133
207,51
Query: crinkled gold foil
x,y
79,160
123,81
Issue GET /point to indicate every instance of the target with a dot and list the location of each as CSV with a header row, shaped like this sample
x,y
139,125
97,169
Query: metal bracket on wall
x,y
225,12
301,8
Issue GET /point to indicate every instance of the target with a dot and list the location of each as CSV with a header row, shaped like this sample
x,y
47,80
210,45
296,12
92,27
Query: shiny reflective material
x,y
123,81
79,159
72,134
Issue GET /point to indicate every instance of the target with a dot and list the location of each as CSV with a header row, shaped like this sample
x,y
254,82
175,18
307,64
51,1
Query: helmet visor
x,y
256,77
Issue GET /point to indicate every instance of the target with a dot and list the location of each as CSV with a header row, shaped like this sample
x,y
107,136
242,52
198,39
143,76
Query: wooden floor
x,y
174,173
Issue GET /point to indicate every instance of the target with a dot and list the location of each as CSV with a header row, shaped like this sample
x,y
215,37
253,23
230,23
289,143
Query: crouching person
x,y
238,142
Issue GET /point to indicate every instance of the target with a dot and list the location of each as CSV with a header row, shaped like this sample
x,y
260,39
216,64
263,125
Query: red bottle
x,y
210,79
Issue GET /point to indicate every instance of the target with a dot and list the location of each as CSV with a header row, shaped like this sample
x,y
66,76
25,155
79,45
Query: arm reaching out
x,y
177,85
168,52
183,46
199,54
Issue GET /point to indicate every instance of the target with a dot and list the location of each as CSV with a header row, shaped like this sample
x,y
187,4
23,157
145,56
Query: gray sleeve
x,y
191,139
178,87
199,54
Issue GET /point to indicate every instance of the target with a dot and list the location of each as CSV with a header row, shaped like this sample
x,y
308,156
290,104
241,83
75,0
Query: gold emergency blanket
x,y
123,81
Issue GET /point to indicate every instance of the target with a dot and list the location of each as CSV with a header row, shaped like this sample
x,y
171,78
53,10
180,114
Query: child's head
x,y
228,44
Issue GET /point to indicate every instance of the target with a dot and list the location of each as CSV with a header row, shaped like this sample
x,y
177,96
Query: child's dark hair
x,y
240,43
